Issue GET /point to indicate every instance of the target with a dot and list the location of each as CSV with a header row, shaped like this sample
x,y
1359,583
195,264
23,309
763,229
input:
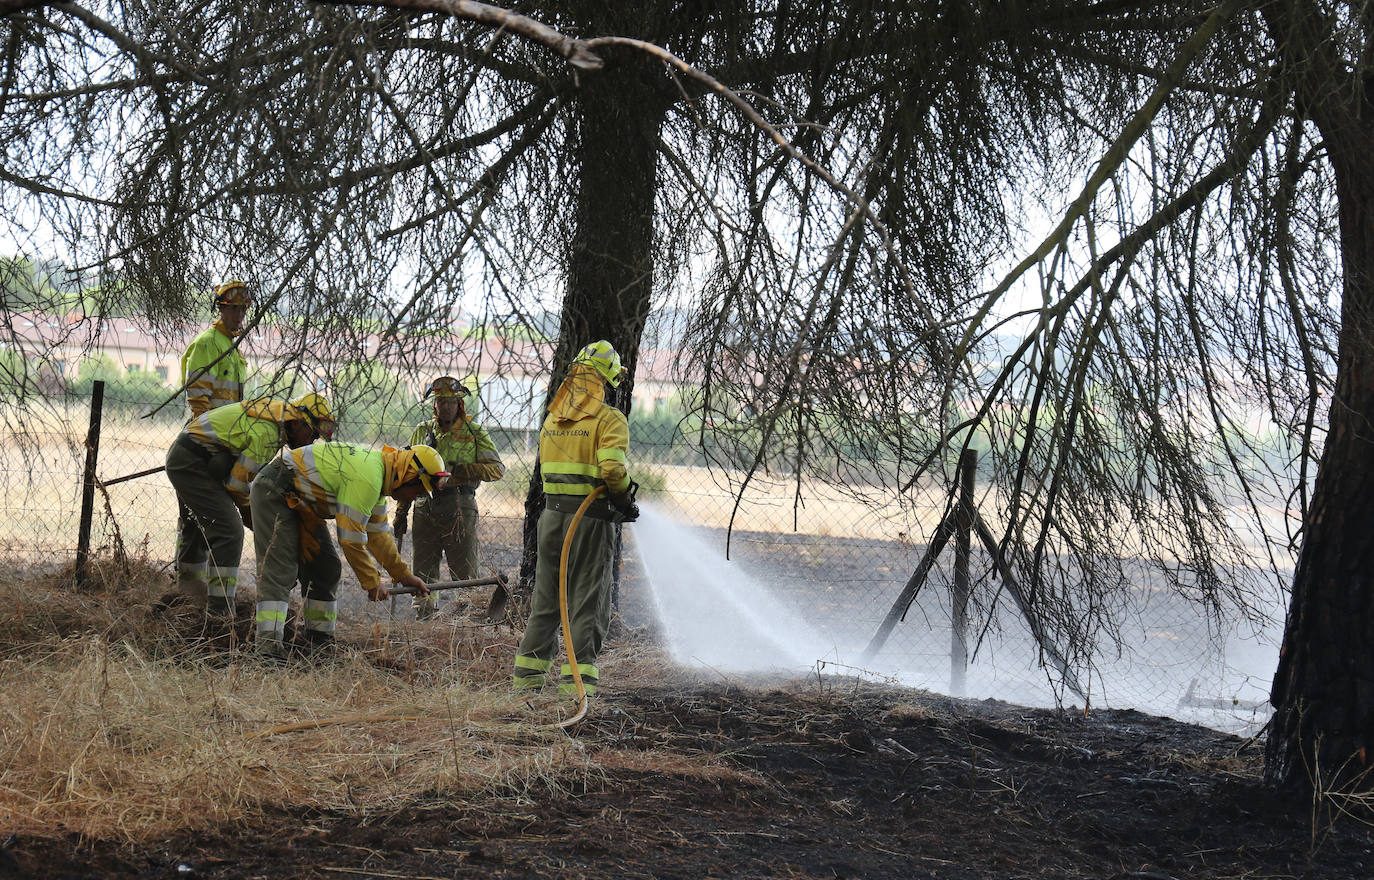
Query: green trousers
x,y
444,526
590,561
209,528
277,543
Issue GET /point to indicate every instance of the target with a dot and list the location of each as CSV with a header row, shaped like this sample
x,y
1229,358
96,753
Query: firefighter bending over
x,y
582,445
211,464
293,496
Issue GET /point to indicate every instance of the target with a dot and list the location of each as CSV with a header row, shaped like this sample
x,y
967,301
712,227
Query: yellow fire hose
x,y
563,608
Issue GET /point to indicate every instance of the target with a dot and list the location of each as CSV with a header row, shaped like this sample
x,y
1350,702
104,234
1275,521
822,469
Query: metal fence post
x,y
959,590
83,540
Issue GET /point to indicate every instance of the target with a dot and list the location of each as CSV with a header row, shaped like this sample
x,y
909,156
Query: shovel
x,y
500,598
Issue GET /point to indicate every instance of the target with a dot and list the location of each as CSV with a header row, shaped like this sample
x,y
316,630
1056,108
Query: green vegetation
x,y
133,389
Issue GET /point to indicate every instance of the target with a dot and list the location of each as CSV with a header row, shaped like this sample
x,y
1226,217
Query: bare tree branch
x,y
576,52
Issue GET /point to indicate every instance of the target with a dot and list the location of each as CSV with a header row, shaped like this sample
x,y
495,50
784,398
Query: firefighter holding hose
x,y
582,446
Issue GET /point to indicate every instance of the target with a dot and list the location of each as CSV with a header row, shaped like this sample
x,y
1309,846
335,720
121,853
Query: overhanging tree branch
x,y
575,51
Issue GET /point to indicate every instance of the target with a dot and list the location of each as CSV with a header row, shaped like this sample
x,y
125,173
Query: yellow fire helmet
x,y
602,357
411,463
233,293
314,408
446,386
430,464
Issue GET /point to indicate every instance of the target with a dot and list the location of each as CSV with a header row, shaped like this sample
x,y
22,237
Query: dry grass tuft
x,y
99,738
114,725
708,767
115,602
905,714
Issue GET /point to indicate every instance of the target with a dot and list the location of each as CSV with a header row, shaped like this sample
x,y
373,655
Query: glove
x,y
377,593
626,510
246,514
473,474
309,525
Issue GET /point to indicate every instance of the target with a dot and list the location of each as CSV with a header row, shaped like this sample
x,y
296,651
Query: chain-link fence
x,y
781,574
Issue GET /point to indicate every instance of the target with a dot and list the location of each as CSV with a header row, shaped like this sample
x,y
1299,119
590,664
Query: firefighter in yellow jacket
x,y
214,373
211,464
212,369
582,445
446,523
293,496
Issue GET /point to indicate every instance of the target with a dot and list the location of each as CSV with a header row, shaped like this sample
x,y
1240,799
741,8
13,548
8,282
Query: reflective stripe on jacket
x,y
576,456
343,482
254,439
213,383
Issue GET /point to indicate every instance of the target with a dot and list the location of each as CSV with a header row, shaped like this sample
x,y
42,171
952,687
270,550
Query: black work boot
x,y
218,634
319,645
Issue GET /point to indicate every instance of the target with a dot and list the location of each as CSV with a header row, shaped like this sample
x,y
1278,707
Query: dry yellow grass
x,y
111,727
771,504
101,740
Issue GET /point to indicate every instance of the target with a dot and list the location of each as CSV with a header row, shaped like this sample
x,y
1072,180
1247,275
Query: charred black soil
x,y
854,781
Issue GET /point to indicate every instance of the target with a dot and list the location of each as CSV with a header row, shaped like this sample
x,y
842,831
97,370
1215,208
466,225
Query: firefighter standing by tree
x,y
212,370
293,496
211,464
446,522
582,445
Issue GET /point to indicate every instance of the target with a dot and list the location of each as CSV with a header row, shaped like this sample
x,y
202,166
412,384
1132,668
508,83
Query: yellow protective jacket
x,y
212,383
345,482
466,448
584,441
253,431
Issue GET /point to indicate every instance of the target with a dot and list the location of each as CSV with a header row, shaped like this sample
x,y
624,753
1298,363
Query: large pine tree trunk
x,y
1323,693
620,113
1322,733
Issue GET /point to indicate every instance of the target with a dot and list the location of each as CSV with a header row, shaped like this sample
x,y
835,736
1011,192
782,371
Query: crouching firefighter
x,y
211,464
582,445
292,498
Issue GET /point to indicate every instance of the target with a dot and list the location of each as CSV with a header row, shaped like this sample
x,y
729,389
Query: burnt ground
x,y
863,782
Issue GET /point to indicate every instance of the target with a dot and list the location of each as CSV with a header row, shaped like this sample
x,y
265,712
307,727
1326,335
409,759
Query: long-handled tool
x,y
498,580
500,598
157,470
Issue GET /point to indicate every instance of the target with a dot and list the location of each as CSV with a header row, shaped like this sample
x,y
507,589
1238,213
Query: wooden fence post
x,y
959,590
83,540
